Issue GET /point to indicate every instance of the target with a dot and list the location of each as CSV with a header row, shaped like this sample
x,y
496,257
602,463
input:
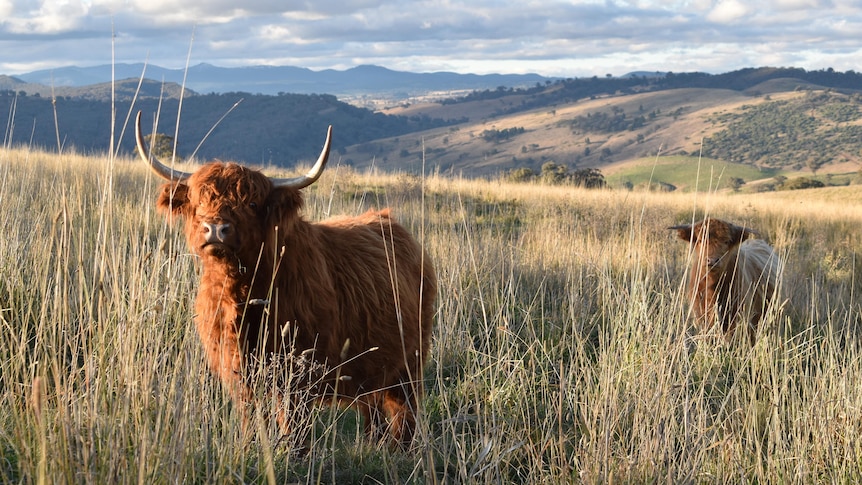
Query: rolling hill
x,y
613,132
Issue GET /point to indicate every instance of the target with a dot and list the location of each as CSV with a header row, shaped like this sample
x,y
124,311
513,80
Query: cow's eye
x,y
253,205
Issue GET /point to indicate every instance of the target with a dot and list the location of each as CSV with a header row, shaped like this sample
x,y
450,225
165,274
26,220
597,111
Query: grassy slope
x,y
562,350
548,135
683,172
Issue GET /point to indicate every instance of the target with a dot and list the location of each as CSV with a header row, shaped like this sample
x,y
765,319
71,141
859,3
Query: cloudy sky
x,y
555,38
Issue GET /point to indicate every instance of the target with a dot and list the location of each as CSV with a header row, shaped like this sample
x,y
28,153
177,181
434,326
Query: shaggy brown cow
x,y
354,295
733,278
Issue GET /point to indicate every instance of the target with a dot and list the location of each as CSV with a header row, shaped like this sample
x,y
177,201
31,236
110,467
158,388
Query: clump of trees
x,y
616,121
501,135
558,174
781,182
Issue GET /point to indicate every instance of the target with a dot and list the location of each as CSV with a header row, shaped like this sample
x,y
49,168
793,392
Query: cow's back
x,y
757,272
386,288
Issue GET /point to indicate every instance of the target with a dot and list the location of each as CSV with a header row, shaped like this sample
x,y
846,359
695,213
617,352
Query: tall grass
x,y
563,350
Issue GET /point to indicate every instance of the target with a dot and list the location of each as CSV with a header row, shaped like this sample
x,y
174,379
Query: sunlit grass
x,y
562,349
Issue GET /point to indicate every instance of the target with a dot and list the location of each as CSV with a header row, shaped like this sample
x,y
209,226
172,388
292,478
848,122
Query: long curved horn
x,y
157,166
313,174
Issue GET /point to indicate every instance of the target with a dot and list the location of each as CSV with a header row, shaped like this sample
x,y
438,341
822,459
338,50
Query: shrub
x,y
800,183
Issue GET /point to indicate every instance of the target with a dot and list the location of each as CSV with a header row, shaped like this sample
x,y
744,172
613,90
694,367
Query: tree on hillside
x,y
553,174
161,146
494,135
813,164
521,174
590,178
800,183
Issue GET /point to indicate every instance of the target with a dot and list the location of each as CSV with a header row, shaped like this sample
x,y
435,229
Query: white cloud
x,y
48,17
565,38
7,7
726,11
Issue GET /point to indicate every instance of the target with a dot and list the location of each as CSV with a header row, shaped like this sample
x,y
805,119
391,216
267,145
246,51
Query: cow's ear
x,y
173,198
683,231
739,234
283,201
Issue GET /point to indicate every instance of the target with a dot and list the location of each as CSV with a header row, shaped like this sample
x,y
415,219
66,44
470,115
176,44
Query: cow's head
x,y
711,241
230,210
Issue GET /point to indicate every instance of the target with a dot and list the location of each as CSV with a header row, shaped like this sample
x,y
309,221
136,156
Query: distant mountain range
x,y
272,80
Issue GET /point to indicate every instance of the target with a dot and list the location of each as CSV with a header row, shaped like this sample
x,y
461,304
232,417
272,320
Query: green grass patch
x,y
684,173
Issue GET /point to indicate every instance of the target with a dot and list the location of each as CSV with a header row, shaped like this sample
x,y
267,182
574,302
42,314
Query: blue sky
x,y
553,38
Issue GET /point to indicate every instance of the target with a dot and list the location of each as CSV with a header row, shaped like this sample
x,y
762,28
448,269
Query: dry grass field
x,y
563,351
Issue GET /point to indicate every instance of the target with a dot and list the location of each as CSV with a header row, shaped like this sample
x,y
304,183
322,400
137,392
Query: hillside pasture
x,y
683,172
563,350
782,126
702,174
675,122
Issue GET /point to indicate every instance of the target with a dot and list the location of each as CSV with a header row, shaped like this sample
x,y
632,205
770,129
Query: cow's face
x,y
711,241
230,211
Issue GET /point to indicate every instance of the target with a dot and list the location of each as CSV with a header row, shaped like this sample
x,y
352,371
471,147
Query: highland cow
x,y
734,275
354,295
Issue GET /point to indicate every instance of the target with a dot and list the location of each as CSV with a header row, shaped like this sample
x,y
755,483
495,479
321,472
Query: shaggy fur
x,y
733,278
355,294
